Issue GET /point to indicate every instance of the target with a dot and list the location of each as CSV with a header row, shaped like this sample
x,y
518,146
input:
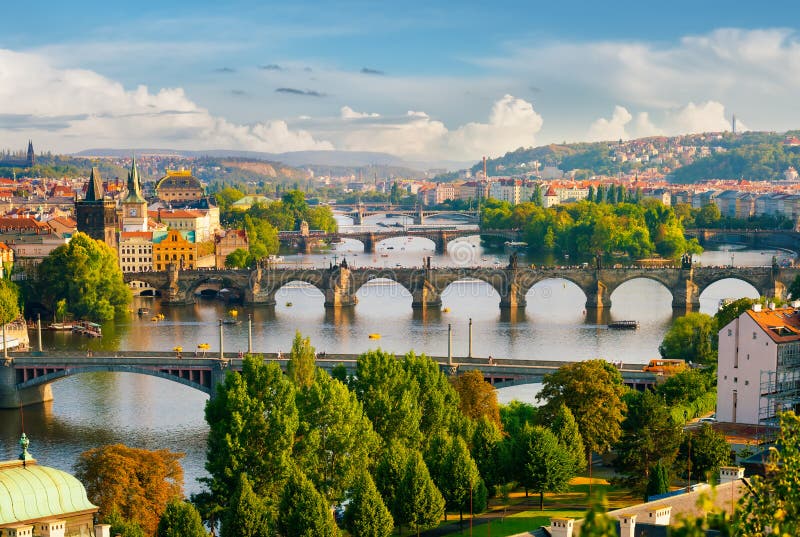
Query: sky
x,y
432,80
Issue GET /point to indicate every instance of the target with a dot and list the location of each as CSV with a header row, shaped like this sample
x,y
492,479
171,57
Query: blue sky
x,y
426,80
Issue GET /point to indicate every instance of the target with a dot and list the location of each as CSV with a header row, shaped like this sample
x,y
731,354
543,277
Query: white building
x,y
136,251
758,374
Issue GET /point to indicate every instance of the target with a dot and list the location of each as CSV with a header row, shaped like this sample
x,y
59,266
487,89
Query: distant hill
x,y
347,159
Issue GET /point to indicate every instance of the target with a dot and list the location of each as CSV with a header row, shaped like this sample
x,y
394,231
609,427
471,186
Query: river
x,y
95,409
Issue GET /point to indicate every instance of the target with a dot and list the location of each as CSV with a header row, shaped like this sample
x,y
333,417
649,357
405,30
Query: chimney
x,y
102,530
796,304
54,529
561,527
730,473
772,305
627,525
756,307
659,516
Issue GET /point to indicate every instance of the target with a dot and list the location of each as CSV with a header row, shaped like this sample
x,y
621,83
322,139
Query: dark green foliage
x,y
649,435
515,415
389,474
9,301
366,515
252,424
480,498
732,310
687,385
545,465
180,519
120,526
247,515
566,430
86,274
659,480
794,288
420,504
690,338
487,440
709,451
339,372
437,399
390,396
453,471
303,511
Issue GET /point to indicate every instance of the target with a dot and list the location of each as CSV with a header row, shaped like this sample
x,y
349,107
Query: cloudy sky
x,y
422,80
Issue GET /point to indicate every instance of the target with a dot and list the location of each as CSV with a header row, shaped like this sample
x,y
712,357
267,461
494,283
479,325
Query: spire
x,y
94,192
31,160
134,185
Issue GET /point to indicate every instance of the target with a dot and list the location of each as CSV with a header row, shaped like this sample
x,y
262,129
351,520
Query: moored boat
x,y
624,325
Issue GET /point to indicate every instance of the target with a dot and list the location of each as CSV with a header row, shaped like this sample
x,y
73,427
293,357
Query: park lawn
x,y
516,523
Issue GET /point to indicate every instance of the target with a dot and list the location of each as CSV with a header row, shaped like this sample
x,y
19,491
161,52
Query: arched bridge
x,y
26,378
418,214
339,284
754,238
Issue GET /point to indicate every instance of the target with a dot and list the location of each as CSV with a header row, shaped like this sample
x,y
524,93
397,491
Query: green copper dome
x,y
30,492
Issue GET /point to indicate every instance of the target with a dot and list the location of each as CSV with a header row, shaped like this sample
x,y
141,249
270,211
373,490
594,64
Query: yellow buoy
x,y
154,319
288,304
446,310
374,336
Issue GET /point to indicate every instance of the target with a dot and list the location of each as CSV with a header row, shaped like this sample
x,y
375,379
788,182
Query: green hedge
x,y
702,405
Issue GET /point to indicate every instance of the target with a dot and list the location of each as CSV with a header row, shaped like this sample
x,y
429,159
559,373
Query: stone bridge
x,y
754,238
26,378
339,283
418,214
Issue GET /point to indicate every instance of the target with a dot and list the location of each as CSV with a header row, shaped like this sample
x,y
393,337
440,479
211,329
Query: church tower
x,y
31,159
134,206
96,215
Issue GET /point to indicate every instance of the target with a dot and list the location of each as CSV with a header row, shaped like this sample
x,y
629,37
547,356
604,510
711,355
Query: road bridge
x,y
340,283
26,378
418,214
754,238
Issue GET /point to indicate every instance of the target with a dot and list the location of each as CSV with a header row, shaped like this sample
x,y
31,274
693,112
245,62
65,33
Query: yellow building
x,y
175,247
179,185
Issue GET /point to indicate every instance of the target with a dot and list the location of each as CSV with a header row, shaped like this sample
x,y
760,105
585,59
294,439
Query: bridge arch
x,y
203,384
481,279
748,289
142,288
542,291
307,288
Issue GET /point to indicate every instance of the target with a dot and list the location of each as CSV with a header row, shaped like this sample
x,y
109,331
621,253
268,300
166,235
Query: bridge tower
x,y
339,290
686,294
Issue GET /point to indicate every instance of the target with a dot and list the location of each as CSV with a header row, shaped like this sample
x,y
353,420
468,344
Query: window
x,y
730,332
754,335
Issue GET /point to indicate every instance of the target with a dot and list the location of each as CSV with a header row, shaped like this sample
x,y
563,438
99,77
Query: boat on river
x,y
87,328
65,327
624,325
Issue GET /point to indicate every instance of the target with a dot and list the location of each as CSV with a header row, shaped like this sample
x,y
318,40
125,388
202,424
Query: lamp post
x,y
249,333
39,330
469,353
221,353
449,344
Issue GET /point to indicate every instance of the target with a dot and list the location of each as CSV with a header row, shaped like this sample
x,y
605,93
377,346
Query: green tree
x,y
121,526
303,510
704,452
9,307
247,515
457,477
487,440
566,430
794,288
321,217
597,523
421,505
658,482
239,258
180,519
686,386
335,439
136,483
690,338
545,465
437,398
476,397
515,415
390,396
649,435
389,474
86,274
771,505
732,310
302,362
592,390
708,216
294,201
366,514
252,424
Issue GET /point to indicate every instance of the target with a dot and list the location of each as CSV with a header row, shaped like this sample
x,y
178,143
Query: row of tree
x,y
638,230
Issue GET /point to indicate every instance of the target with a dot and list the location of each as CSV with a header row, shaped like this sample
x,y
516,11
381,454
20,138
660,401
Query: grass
x,y
516,523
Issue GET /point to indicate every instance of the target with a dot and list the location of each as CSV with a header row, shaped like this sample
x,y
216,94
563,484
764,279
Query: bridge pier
x,y
369,243
12,397
440,240
597,297
426,297
776,289
686,297
339,289
513,298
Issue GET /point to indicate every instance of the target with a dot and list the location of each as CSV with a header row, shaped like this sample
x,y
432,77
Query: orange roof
x,y
551,191
135,234
781,324
64,221
180,213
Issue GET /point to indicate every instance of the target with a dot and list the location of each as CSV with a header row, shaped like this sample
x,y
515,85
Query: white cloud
x,y
72,109
611,129
349,113
704,117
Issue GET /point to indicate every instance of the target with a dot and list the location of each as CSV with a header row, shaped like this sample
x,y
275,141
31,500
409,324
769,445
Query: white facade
x,y
136,251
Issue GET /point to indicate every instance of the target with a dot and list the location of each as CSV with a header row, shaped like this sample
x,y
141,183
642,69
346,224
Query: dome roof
x,y
32,492
179,179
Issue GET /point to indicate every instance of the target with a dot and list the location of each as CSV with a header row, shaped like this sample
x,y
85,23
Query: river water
x,y
95,409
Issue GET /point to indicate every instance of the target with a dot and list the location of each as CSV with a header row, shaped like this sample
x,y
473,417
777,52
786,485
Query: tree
x,y
390,396
121,526
335,439
454,472
487,440
592,390
771,504
597,523
477,398
421,505
569,437
658,483
9,307
389,474
366,514
515,415
437,398
708,216
247,515
180,519
252,424
239,258
545,465
302,362
732,310
704,452
303,510
136,483
86,274
686,386
794,288
690,338
649,435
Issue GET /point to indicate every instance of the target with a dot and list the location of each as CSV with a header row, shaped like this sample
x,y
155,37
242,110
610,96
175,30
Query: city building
x,y
550,197
37,500
180,186
226,242
173,246
136,251
9,161
758,374
188,220
95,214
134,206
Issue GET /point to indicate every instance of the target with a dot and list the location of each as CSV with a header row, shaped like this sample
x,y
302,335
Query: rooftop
x,y
781,324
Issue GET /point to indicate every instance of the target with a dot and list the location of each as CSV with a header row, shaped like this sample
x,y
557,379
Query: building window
x,y
730,332
754,335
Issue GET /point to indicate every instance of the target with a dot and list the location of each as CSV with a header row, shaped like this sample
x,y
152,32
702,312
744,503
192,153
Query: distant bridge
x,y
418,214
370,239
339,284
754,238
27,377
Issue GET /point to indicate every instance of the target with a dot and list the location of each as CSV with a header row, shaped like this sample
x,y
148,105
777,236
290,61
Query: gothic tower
x,y
134,206
31,160
96,215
